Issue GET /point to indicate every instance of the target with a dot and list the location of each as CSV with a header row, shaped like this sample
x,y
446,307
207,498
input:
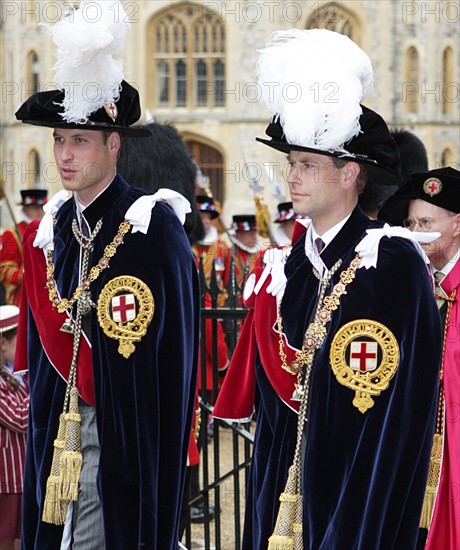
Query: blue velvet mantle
x,y
364,475
144,404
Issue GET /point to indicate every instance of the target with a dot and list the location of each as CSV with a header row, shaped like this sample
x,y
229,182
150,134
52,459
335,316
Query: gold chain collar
x,y
316,331
109,251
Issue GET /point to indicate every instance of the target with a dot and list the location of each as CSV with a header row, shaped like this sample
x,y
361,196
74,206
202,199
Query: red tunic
x,y
444,531
11,262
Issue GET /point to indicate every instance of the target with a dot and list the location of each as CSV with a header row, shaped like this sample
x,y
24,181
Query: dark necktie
x,y
84,227
319,243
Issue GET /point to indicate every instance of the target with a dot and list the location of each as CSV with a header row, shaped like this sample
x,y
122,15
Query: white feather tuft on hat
x,y
88,42
314,80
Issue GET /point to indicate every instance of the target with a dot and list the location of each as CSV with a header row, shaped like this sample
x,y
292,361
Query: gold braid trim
x,y
109,251
62,483
287,534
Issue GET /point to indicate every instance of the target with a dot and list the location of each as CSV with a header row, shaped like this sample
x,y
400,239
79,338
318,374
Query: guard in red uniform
x,y
11,262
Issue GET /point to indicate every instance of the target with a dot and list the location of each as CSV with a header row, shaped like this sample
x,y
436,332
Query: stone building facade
x,y
194,63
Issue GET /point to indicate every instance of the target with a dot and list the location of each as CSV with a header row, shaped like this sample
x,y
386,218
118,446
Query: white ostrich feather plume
x,y
314,80
89,42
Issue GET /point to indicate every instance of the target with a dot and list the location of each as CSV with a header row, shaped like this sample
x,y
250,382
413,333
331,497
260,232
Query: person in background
x,y
285,219
109,319
340,352
14,412
430,201
212,249
11,261
246,251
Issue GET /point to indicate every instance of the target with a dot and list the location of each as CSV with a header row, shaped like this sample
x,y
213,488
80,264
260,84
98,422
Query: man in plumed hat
x,y
340,351
11,262
109,318
430,201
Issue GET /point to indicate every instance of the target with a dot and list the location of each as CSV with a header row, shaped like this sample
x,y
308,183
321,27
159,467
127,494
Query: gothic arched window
x,y
448,84
412,81
334,17
186,58
33,73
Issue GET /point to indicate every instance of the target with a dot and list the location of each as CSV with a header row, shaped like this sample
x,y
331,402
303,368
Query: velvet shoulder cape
x,y
144,404
364,474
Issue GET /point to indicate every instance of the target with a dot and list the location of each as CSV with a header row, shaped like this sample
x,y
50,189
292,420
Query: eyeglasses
x,y
423,223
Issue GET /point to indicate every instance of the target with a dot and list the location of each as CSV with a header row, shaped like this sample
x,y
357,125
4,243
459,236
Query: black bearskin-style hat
x,y
440,187
244,222
414,158
206,204
33,197
336,125
91,93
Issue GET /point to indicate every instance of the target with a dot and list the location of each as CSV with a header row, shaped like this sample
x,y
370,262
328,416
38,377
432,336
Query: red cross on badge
x,y
123,308
112,111
432,186
363,356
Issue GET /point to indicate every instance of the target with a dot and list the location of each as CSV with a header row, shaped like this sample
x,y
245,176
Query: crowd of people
x,y
348,357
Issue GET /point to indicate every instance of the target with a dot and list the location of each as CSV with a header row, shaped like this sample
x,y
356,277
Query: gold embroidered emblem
x,y
364,357
124,310
432,186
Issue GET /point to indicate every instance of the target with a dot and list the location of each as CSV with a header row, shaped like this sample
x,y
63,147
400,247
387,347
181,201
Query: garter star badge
x,y
124,311
364,357
432,186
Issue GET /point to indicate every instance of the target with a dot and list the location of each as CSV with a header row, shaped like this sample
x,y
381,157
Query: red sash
x,y
57,345
236,397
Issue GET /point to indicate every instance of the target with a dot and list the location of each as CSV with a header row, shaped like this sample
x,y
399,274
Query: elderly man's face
x,y
424,216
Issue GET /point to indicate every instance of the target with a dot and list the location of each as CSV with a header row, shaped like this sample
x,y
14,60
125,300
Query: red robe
x,y
444,530
11,262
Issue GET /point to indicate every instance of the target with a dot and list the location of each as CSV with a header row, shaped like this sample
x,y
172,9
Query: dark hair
x,y
163,160
9,334
361,180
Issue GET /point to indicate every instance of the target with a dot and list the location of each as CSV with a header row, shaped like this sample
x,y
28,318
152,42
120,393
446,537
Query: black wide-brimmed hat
x,y
286,212
373,147
33,197
206,204
244,222
46,109
440,187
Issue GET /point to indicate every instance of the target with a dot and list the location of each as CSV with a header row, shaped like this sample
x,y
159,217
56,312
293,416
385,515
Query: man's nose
x,y
66,152
293,173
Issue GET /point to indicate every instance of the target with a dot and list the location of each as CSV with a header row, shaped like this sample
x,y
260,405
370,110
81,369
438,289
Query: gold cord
x,y
109,251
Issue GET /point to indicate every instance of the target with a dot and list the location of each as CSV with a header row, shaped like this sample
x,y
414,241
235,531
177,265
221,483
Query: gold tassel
x,y
71,458
432,482
298,525
54,510
283,534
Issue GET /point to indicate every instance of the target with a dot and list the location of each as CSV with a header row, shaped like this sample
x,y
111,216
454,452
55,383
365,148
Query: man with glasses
x,y
431,202
342,345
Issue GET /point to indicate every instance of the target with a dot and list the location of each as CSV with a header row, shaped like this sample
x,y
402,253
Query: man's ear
x,y
114,141
457,225
350,173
